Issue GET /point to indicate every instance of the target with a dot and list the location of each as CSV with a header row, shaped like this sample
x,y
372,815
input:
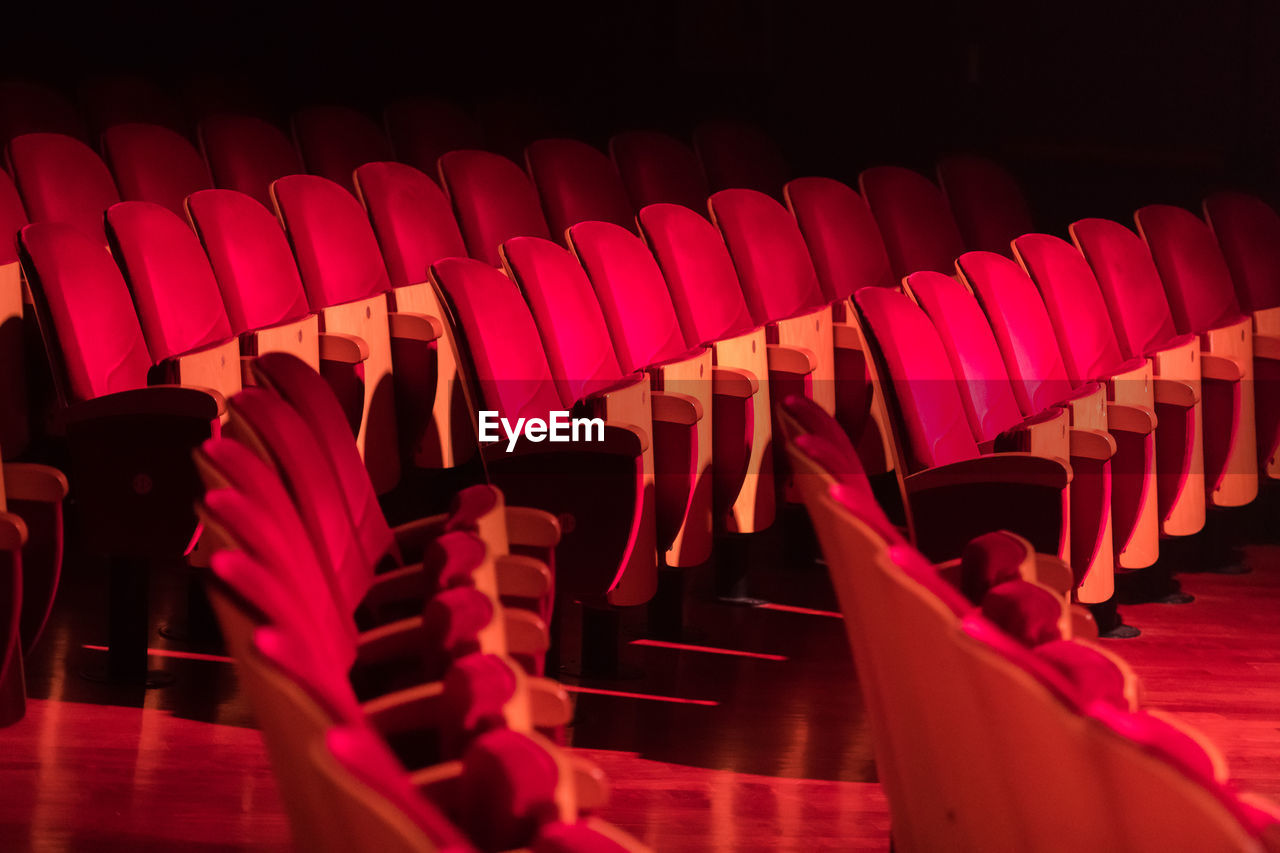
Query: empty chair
x,y
60,179
1248,232
657,168
27,107
246,154
1091,352
155,164
1203,302
334,141
1145,327
986,200
423,129
493,201
739,155
124,99
576,183
918,229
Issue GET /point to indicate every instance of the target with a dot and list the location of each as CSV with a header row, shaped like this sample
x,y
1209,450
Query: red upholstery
x,y
27,107
116,99
423,129
561,837
738,155
917,226
251,260
507,790
1094,675
98,334
153,163
699,272
1029,613
476,688
285,647
769,254
577,183
986,200
843,238
246,154
916,566
62,180
173,287
659,169
332,240
454,618
1248,231
631,293
1195,274
334,141
492,199
411,218
971,348
988,561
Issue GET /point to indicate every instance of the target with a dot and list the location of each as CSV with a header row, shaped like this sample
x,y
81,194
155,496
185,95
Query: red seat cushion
x,y
411,218
1192,268
1027,612
577,183
60,179
493,200
843,238
915,221
988,561
1248,231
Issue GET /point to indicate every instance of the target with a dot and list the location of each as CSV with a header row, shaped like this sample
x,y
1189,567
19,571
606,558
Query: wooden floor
x,y
754,739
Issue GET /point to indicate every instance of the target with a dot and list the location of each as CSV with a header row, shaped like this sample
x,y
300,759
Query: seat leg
x,y
128,626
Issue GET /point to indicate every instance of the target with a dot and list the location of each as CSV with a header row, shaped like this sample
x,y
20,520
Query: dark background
x,y
1098,107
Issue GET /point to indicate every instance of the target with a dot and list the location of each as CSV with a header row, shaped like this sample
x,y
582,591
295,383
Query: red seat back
x,y
493,201
251,260
842,236
699,272
423,129
153,163
62,180
334,141
1248,231
411,218
918,229
27,107
739,155
576,183
246,154
659,169
1195,274
986,200
631,292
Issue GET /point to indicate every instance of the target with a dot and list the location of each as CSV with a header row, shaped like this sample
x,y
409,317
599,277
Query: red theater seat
x,y
493,201
659,169
127,98
335,141
987,202
1248,232
1145,327
424,129
60,179
153,163
739,155
246,154
27,107
576,183
919,230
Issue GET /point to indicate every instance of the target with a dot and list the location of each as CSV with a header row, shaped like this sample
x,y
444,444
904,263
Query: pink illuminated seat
x,y
335,141
842,235
1203,301
1248,232
60,179
153,163
659,169
919,230
246,154
739,155
576,183
423,129
27,107
493,201
987,202
1144,325
126,98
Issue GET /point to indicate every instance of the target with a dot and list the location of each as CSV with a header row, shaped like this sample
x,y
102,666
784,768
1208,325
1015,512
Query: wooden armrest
x,y
405,710
672,407
590,784
1174,392
846,336
532,528
428,780
343,348
1015,468
784,358
522,577
1124,418
1052,572
526,632
550,703
26,481
1222,368
1092,444
414,327
1266,346
13,532
733,382
395,639
187,401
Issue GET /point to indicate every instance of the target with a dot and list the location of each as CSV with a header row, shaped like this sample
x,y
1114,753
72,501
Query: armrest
x,y
846,336
1092,444
522,577
590,784
672,407
532,528
1052,572
1174,392
733,382
1222,368
342,348
185,401
13,532
431,781
1125,418
1021,468
404,710
526,633
1266,346
401,638
414,327
25,481
784,358
550,703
